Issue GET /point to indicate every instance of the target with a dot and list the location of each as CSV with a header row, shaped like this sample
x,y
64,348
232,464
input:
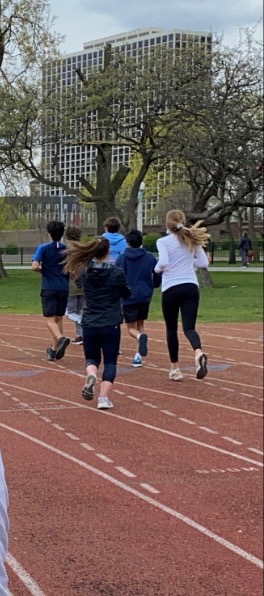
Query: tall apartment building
x,y
80,160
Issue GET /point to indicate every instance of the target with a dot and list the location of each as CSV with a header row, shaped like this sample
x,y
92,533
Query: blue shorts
x,y
53,303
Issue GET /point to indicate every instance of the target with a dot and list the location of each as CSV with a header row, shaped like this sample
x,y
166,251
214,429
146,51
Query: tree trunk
x,y
3,273
232,244
204,277
252,234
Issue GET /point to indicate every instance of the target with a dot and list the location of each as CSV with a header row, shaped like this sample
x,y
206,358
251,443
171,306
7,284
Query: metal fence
x,y
219,253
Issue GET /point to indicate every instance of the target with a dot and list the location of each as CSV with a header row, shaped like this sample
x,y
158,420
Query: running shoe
x,y
143,344
201,366
175,375
104,403
88,389
61,347
51,354
78,341
137,362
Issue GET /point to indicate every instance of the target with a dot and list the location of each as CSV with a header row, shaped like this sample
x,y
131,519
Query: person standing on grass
x,y
180,251
104,286
4,526
245,246
138,265
47,260
116,240
76,296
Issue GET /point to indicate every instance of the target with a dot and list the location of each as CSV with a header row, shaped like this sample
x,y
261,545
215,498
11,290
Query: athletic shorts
x,y
53,303
136,312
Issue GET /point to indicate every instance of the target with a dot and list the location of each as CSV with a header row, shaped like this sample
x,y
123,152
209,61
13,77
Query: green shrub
x,y
149,241
11,249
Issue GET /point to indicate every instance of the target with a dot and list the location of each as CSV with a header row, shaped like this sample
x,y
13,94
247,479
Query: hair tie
x,y
179,226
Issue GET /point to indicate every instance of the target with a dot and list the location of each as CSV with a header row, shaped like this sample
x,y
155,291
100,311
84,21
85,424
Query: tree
x,y
9,220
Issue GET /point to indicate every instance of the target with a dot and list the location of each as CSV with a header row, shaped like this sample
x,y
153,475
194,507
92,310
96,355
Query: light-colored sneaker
x,y
88,389
175,374
201,366
104,403
137,362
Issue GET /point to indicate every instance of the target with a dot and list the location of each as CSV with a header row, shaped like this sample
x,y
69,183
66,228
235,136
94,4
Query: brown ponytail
x,y
80,254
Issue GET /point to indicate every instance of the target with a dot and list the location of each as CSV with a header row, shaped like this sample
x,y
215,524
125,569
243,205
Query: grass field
x,y
236,297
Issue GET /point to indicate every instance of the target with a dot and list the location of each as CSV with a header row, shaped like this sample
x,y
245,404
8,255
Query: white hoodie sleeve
x,y
4,525
200,258
163,256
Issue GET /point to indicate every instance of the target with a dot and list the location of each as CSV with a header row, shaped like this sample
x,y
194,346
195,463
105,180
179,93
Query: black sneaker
x,y
51,354
78,341
201,366
61,347
142,344
88,389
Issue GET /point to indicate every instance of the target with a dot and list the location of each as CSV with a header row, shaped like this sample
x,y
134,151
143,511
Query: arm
x,y
4,524
200,258
163,256
36,259
125,290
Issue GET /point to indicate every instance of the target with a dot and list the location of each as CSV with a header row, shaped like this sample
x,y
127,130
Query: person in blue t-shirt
x,y
116,240
48,260
138,264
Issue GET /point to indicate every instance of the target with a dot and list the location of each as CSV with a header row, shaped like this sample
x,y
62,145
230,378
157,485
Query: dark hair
x,y
112,224
134,238
80,254
55,229
73,233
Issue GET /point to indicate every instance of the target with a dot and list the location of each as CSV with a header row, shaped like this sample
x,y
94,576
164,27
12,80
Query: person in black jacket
x,y
104,286
138,264
244,246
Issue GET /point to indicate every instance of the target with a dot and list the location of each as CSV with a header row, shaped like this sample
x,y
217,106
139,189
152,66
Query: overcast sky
x,y
84,20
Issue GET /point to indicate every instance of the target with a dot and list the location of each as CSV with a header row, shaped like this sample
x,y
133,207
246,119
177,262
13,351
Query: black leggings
x,y
183,297
106,340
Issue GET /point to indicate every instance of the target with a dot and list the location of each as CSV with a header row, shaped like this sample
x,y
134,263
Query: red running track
x,y
160,496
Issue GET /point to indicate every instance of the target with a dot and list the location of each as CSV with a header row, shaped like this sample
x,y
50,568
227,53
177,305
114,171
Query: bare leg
x,y
105,388
55,330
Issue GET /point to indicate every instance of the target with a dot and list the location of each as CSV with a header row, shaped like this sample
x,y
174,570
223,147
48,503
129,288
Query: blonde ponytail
x,y
191,237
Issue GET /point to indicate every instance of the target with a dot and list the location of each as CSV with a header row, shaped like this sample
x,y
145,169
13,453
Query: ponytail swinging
x,y
80,254
191,237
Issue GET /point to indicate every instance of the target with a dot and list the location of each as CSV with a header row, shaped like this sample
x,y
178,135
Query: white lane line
x,y
207,383
150,500
119,392
228,389
145,403
6,393
232,440
58,427
104,458
150,488
34,412
133,398
187,421
208,430
149,426
255,450
167,412
247,394
88,447
24,577
125,472
71,436
45,419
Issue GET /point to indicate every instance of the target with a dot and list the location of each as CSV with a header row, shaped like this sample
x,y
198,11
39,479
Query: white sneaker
x,y
201,366
137,361
104,403
175,375
88,389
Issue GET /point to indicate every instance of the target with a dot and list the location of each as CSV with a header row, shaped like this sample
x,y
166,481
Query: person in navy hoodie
x,y
47,260
116,240
138,264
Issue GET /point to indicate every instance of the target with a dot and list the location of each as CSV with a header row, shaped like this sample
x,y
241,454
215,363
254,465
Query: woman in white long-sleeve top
x,y
180,251
3,531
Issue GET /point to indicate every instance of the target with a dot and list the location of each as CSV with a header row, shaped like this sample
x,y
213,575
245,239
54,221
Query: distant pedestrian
x,y
47,260
138,265
179,252
76,296
245,246
104,286
116,240
4,527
